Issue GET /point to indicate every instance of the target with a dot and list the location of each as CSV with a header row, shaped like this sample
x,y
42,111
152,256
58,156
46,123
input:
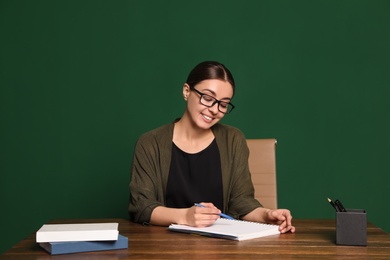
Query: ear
x,y
186,91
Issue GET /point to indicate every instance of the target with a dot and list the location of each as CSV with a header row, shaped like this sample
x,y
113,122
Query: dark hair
x,y
209,70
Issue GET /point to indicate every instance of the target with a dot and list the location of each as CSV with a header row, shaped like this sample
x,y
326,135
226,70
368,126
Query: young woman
x,y
195,159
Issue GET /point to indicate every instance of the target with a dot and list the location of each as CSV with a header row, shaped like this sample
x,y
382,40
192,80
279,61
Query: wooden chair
x,y
262,165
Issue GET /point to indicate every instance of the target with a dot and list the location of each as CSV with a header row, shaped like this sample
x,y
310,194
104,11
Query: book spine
x,y
69,236
56,248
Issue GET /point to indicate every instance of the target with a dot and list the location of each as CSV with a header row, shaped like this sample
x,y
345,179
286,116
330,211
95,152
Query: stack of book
x,y
73,238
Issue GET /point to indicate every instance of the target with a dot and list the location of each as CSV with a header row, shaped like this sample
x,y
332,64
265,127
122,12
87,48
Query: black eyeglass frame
x,y
214,102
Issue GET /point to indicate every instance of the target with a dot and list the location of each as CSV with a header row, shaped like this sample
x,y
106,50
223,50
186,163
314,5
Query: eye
x,y
208,98
223,104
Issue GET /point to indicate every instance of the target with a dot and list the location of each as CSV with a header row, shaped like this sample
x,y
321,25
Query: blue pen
x,y
221,214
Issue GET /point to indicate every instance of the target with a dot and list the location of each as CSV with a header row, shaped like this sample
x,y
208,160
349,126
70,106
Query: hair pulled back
x,y
209,70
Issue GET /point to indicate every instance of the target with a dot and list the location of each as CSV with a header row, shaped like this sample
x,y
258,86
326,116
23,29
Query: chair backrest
x,y
262,165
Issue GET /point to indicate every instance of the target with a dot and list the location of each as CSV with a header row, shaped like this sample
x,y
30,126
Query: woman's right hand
x,y
202,216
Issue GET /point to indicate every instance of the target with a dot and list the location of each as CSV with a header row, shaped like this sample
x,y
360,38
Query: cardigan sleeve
x,y
148,174
144,182
242,200
239,190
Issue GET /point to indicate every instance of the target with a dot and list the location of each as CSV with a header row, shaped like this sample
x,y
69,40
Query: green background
x,y
81,80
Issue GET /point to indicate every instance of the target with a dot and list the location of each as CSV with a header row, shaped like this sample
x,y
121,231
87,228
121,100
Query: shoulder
x,y
229,138
161,135
231,142
227,132
164,129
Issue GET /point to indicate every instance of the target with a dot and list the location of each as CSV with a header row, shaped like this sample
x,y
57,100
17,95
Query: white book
x,y
231,229
77,232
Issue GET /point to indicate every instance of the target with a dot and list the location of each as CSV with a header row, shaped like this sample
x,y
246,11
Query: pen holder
x,y
351,227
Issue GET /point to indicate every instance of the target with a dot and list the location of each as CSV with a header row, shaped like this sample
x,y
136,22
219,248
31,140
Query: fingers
x,y
205,214
286,226
208,205
205,220
283,218
207,208
286,229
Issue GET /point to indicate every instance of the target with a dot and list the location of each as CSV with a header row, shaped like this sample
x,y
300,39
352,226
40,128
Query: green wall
x,y
81,80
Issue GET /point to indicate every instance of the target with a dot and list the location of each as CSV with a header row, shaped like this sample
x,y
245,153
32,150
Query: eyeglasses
x,y
209,101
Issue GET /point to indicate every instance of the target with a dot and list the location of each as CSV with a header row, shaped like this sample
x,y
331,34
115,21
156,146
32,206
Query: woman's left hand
x,y
281,217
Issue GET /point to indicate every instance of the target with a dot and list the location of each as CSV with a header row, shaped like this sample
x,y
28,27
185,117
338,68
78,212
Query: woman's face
x,y
202,116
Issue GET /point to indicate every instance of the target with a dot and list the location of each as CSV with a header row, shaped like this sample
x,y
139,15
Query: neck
x,y
190,138
187,129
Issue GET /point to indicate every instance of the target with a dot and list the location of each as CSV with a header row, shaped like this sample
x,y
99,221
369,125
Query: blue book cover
x,y
56,248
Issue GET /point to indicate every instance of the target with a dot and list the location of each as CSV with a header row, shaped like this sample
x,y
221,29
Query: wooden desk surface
x,y
314,239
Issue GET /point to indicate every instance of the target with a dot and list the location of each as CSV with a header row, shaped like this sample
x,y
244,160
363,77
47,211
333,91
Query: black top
x,y
195,178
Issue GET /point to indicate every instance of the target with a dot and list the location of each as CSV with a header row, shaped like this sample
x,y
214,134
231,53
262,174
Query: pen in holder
x,y
351,227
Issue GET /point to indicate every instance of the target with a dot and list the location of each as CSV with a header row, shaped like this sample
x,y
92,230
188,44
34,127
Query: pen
x,y
221,214
333,205
340,205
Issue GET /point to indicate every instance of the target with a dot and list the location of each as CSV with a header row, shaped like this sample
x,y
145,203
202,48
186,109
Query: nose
x,y
214,108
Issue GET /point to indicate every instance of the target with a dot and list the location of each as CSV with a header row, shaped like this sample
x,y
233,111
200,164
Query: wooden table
x,y
314,239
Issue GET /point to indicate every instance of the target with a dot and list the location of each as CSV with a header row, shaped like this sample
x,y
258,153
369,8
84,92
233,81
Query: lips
x,y
207,117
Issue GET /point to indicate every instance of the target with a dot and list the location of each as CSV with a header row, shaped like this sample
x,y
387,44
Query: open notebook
x,y
231,229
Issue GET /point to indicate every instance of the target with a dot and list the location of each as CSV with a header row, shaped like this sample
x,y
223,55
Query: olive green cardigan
x,y
151,164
